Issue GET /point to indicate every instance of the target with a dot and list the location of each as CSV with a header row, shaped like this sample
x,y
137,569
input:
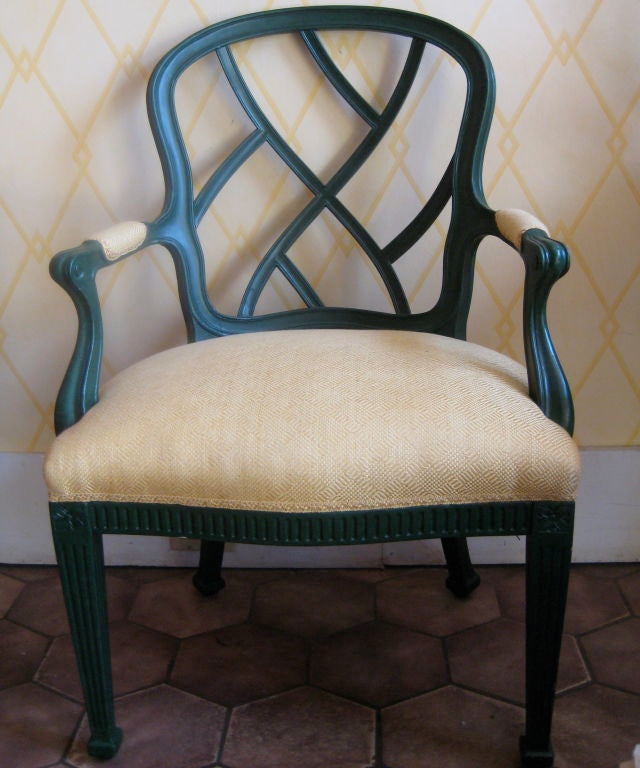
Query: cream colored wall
x,y
77,155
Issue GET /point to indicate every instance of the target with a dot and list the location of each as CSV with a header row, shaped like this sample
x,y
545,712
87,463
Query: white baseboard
x,y
607,526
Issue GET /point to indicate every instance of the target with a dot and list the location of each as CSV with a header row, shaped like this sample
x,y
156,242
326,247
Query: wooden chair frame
x,y
78,527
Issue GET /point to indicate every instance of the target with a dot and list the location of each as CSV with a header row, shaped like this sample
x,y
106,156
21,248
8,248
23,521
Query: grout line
x,y
625,600
74,734
447,663
223,735
378,742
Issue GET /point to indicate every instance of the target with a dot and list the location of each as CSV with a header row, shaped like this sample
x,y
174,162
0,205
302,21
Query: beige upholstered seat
x,y
316,420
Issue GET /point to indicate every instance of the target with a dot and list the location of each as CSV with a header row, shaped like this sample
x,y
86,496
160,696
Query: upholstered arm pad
x,y
513,223
121,239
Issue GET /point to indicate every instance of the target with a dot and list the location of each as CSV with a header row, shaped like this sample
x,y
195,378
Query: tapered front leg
x,y
548,563
462,578
81,562
208,579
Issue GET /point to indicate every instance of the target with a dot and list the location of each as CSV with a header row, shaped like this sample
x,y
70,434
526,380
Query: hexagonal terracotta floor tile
x,y
614,654
34,726
592,602
609,570
630,586
9,591
378,664
490,658
174,606
305,727
140,658
40,605
420,601
370,575
595,727
237,664
163,728
22,652
509,584
255,576
29,572
454,728
144,575
313,604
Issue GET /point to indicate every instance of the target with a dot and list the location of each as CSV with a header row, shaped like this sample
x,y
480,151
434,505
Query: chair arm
x,y
121,239
546,261
512,223
75,270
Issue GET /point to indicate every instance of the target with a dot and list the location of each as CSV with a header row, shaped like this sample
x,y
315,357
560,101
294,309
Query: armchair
x,y
321,425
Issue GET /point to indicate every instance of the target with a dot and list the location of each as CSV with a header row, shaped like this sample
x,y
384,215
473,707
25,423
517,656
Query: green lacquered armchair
x,y
321,425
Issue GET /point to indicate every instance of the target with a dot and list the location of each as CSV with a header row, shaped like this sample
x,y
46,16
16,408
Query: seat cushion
x,y
316,420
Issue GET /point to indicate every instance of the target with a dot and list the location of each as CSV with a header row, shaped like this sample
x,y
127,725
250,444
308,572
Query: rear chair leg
x,y
462,579
207,579
81,564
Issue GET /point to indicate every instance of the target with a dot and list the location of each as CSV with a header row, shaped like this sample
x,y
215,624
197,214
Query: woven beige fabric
x,y
316,420
513,223
120,239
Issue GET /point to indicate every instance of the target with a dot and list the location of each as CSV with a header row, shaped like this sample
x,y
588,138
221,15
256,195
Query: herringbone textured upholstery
x,y
513,223
121,238
316,420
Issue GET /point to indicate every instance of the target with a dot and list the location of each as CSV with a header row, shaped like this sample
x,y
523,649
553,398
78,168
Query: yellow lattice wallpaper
x,y
77,156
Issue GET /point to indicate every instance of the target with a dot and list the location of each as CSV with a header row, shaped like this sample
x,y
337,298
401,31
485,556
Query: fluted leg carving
x,y
207,579
462,579
80,559
548,562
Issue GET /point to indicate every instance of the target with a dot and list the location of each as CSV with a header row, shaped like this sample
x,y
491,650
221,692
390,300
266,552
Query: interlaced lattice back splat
x,y
460,183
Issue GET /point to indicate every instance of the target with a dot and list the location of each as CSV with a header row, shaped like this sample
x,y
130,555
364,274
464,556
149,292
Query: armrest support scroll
x,y
75,270
546,261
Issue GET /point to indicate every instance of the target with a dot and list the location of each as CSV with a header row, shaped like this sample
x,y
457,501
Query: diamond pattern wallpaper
x,y
77,155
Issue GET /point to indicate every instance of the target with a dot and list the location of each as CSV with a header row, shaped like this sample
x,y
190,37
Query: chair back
x,y
460,184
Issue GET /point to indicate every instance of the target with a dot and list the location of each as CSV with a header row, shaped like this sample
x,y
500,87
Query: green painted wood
x,y
75,270
81,566
310,528
548,564
546,261
78,528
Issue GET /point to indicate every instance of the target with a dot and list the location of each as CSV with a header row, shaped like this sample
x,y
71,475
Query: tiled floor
x,y
321,669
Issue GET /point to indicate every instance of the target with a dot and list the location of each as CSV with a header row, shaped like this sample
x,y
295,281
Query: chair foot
x,y
462,578
105,748
208,587
463,587
208,579
535,758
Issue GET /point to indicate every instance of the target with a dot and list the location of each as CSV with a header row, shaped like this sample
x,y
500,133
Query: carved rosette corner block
x,y
67,519
556,518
